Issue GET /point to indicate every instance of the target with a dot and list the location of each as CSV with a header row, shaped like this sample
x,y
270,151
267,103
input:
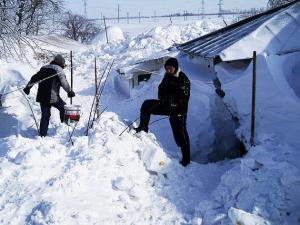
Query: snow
x,y
113,33
105,178
278,35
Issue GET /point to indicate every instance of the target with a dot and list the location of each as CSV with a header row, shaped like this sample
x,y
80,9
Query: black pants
x,y
178,124
46,113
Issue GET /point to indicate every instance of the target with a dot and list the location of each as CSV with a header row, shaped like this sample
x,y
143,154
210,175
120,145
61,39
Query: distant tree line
x,y
254,11
20,20
79,28
248,13
275,3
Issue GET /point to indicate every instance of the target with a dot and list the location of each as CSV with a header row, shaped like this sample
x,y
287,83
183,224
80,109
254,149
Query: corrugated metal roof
x,y
212,44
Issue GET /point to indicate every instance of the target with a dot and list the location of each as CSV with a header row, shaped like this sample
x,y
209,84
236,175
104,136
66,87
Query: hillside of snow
x,y
105,178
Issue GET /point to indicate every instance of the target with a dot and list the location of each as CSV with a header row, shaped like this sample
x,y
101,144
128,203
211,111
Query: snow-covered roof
x,y
151,64
275,32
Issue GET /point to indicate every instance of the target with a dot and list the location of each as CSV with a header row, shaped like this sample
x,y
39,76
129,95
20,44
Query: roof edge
x,y
244,21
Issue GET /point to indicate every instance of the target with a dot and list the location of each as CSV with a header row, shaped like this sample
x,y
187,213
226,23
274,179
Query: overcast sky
x,y
109,8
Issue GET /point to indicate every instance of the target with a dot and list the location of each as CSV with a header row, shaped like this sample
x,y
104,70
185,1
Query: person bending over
x,y
50,78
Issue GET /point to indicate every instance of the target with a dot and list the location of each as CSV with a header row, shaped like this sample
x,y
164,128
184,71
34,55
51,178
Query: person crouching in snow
x,y
173,98
48,90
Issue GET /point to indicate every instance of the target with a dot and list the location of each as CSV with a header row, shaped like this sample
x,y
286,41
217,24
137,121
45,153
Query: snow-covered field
x,y
105,178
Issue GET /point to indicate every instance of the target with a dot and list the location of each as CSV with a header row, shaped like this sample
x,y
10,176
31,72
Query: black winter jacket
x,y
174,92
48,90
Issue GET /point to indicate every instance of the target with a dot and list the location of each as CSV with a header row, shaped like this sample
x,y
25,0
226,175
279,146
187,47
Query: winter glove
x,y
220,92
26,90
71,94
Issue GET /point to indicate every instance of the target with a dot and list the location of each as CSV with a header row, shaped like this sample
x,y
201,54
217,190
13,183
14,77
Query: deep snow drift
x,y
136,179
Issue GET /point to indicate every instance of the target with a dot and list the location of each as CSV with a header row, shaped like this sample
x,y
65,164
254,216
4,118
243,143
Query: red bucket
x,y
72,113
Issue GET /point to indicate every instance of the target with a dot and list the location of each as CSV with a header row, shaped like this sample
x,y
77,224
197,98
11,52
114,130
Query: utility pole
x,y
139,17
203,9
127,17
118,13
220,7
85,6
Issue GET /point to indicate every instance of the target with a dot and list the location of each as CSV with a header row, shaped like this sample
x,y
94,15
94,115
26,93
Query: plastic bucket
x,y
72,113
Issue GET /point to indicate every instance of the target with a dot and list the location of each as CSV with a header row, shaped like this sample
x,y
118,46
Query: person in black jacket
x,y
173,98
50,78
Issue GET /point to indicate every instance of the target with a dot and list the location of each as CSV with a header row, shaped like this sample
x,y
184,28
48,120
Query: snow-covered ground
x,y
105,178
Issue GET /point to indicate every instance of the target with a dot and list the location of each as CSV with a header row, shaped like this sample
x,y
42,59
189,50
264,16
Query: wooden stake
x,y
253,101
105,29
96,88
71,57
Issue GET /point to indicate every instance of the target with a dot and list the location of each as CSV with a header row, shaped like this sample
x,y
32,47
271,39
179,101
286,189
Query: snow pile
x,y
164,37
136,179
270,171
57,43
148,43
238,216
102,179
114,34
9,79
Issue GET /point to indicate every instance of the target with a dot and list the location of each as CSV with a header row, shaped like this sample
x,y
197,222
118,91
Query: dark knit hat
x,y
59,60
172,62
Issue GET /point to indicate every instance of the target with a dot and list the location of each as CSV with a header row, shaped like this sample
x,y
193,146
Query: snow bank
x,y
266,182
146,44
136,179
243,218
102,179
10,78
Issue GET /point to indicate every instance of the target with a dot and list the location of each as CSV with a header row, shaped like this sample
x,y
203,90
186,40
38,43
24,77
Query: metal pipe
x,y
71,56
252,142
96,82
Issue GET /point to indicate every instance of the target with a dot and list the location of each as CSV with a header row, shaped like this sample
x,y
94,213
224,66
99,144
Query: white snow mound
x,y
114,34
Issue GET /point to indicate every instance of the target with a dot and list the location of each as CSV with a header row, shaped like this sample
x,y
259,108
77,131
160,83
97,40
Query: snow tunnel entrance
x,y
211,126
226,145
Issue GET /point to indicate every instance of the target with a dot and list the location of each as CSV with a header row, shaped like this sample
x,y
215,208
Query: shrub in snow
x,y
79,28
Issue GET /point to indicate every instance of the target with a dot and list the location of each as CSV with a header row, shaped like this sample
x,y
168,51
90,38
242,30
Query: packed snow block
x,y
122,184
283,69
241,217
155,159
122,86
10,79
39,214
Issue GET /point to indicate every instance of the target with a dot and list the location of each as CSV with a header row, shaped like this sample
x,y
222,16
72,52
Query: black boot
x,y
144,121
139,129
186,158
